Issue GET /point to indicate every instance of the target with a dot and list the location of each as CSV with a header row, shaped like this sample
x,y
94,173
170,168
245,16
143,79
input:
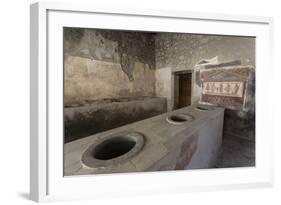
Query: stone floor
x,y
236,152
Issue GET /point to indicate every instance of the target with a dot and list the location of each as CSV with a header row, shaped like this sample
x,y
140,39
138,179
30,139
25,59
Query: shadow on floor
x,y
236,152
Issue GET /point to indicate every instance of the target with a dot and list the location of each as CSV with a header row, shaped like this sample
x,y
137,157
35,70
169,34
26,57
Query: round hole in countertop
x,y
113,148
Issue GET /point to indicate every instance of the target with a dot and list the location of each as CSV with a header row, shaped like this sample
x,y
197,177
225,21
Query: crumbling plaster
x,y
108,64
186,50
102,64
182,52
179,52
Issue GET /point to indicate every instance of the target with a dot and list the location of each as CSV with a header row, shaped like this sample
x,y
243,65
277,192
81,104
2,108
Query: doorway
x,y
182,89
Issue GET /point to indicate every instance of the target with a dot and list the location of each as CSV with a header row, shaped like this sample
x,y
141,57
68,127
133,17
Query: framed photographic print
x,y
151,101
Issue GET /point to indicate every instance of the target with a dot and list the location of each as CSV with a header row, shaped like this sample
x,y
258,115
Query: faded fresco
x,y
227,86
139,101
233,89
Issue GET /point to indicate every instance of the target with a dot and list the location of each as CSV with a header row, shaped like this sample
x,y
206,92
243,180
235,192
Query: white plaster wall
x,y
196,89
164,85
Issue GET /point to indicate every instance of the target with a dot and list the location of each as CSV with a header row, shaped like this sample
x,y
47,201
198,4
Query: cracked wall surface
x,y
101,64
108,64
174,52
183,51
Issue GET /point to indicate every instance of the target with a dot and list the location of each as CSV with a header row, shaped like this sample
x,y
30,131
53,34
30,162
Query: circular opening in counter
x,y
113,149
203,108
179,118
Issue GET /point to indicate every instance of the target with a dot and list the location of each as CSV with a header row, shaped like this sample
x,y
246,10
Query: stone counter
x,y
191,145
88,118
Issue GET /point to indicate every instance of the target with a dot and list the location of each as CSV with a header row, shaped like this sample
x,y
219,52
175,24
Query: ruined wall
x,y
102,64
182,51
185,50
174,51
95,117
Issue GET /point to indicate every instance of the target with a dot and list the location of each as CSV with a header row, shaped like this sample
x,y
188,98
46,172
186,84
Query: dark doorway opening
x,y
182,89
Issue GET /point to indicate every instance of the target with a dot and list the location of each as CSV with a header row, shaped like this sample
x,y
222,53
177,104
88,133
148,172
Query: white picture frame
x,y
46,141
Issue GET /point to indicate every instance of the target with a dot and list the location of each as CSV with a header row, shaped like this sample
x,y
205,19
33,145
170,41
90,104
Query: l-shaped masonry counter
x,y
164,142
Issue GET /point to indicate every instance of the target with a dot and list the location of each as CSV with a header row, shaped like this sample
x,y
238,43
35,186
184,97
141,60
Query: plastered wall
x,y
183,51
102,64
179,52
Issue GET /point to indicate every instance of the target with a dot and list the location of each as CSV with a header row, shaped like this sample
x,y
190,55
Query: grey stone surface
x,y
92,117
113,149
179,118
209,143
236,152
150,154
162,140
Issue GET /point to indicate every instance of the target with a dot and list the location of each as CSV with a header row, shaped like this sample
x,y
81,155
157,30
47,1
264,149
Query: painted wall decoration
x,y
226,86
234,89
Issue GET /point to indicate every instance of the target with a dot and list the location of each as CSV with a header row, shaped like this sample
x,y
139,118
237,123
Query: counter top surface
x,y
160,137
